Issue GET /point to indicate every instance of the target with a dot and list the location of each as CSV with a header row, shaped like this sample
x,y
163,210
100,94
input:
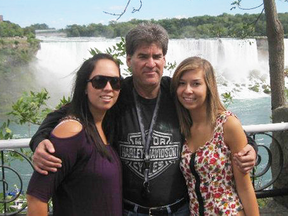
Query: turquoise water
x,y
252,111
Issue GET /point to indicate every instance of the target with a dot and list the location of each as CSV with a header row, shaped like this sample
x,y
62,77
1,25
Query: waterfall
x,y
234,58
237,63
59,58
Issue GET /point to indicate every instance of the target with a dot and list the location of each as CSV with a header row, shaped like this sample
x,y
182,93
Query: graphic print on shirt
x,y
163,153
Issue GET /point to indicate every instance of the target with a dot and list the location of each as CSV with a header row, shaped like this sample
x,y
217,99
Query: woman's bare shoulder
x,y
67,128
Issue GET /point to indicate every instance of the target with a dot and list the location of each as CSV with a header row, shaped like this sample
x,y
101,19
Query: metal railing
x,y
263,188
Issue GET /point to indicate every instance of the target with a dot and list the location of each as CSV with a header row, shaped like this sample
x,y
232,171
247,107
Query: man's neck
x,y
147,92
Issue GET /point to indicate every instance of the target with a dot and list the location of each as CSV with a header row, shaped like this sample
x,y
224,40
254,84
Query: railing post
x,y
281,115
3,181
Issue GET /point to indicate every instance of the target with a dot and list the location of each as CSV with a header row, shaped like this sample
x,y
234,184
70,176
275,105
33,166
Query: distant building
x,y
1,18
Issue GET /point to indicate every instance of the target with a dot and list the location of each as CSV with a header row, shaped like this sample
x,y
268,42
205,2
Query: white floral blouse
x,y
209,176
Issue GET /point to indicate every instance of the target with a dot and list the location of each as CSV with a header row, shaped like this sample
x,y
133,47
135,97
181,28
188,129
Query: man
x,y
147,136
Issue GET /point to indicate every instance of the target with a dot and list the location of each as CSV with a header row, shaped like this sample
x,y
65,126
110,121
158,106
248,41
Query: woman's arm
x,y
246,158
36,207
235,138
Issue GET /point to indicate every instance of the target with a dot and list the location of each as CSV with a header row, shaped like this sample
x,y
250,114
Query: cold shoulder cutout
x,y
67,128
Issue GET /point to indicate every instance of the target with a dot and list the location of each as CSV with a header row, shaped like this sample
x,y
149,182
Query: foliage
x,y
227,98
32,107
286,93
39,26
63,102
254,88
5,131
224,25
15,53
28,108
170,66
10,206
9,29
117,51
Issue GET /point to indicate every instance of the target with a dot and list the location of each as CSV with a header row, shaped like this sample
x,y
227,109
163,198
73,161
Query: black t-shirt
x,y
167,184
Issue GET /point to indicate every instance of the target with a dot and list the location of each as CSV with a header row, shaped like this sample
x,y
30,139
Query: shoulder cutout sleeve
x,y
67,128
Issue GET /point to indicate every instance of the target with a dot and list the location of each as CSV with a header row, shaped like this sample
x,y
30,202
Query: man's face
x,y
147,65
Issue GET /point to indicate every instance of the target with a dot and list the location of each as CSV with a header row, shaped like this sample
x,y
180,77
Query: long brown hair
x,y
214,103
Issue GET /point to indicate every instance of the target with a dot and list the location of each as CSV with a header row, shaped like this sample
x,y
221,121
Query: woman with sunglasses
x,y
89,181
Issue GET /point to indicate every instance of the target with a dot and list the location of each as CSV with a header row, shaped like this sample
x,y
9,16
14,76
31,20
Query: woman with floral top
x,y
213,135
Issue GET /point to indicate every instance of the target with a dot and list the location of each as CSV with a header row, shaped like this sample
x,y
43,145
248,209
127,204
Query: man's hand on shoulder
x,y
43,161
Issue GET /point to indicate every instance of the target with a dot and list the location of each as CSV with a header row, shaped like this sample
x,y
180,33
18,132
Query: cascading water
x,y
236,62
59,58
224,54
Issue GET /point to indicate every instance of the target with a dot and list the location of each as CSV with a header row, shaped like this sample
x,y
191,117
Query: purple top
x,y
87,184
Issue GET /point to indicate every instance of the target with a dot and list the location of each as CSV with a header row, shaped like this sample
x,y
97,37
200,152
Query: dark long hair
x,y
79,104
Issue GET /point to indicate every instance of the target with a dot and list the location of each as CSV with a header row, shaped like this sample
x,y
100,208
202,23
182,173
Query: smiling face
x,y
100,100
147,65
192,90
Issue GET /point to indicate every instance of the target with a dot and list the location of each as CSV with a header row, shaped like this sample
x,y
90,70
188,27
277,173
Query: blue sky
x,y
60,13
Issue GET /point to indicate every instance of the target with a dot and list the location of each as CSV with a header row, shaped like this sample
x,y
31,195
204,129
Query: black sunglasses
x,y
99,82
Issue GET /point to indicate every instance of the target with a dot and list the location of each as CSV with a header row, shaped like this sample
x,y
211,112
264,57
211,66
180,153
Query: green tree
x,y
39,26
8,29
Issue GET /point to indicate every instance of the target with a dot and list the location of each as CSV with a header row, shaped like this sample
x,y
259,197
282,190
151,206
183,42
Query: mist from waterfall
x,y
237,63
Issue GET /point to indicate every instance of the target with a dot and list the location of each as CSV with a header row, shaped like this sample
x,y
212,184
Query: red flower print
x,y
213,164
227,212
220,190
208,195
212,161
228,178
204,189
